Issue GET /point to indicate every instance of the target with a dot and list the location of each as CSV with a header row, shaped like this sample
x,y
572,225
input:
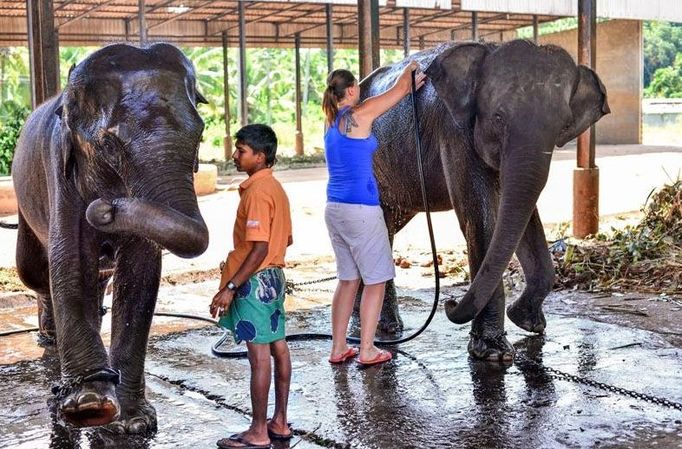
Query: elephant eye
x,y
498,117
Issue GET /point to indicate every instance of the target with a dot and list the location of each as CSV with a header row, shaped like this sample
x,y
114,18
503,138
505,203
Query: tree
x,y
667,81
662,42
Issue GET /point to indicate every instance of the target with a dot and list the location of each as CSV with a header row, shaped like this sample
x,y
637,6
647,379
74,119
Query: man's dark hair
x,y
261,139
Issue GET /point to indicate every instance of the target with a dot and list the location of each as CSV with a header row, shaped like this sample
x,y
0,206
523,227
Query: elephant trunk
x,y
185,235
523,175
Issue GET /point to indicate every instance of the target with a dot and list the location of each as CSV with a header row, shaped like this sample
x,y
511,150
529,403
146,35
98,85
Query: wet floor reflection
x,y
430,395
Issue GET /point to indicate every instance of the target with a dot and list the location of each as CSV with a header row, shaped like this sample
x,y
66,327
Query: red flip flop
x,y
381,357
350,352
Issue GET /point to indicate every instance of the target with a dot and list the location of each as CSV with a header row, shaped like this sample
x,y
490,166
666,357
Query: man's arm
x,y
251,263
222,300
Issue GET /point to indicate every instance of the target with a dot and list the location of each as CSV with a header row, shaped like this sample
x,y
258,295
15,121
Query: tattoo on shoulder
x,y
350,123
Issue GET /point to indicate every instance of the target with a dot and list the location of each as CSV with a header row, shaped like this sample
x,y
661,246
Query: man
x,y
251,297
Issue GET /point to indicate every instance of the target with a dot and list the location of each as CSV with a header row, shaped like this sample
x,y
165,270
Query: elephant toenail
x,y
137,426
89,400
69,405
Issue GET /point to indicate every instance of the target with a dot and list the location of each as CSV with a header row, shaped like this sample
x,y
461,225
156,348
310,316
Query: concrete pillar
x,y
406,32
227,140
586,175
43,51
299,132
142,22
330,38
243,105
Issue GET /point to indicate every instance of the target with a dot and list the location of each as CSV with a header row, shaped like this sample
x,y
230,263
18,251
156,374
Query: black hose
x,y
427,209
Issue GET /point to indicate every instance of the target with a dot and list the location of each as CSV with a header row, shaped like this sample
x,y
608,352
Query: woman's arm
x,y
373,107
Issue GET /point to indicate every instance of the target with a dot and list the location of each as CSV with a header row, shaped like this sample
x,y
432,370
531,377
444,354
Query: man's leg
x,y
257,434
280,353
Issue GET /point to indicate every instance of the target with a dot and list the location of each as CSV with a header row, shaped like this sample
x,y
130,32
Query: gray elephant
x,y
490,118
104,179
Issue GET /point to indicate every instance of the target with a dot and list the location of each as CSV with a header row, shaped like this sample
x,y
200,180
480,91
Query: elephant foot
x,y
527,316
390,322
46,339
137,417
89,400
493,348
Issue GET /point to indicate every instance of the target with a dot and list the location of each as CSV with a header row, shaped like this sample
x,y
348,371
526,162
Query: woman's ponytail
x,y
337,83
329,106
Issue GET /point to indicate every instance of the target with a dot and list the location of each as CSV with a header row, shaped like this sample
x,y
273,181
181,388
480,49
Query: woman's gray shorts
x,y
360,241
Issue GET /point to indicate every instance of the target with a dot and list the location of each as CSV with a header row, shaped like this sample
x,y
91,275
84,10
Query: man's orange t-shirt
x,y
262,216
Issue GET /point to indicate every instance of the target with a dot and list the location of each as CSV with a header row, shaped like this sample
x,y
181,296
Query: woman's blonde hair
x,y
337,83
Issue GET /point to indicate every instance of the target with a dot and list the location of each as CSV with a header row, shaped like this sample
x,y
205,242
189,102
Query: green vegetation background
x,y
270,81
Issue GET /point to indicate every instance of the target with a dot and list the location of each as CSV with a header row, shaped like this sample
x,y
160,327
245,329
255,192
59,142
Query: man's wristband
x,y
231,286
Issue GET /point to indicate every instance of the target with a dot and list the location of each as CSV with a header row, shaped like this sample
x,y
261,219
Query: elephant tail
x,y
9,225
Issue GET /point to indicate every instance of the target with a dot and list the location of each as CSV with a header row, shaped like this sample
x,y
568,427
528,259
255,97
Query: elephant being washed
x,y
103,176
490,118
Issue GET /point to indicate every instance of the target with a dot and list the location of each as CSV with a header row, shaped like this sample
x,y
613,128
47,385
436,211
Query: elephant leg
x,y
34,272
526,311
474,192
136,285
390,322
488,339
86,395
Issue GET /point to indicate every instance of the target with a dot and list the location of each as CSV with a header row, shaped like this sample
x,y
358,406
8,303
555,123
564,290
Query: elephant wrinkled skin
x,y
490,117
103,174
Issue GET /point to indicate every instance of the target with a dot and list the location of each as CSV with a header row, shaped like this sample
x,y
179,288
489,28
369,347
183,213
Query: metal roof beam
x,y
84,13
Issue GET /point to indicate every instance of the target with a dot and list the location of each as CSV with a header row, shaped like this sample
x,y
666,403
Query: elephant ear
x,y
588,104
454,74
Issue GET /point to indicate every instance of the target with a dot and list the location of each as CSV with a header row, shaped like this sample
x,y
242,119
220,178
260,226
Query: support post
x,y
376,35
299,133
43,51
227,140
368,36
330,38
406,32
142,22
243,105
586,174
535,29
474,26
126,26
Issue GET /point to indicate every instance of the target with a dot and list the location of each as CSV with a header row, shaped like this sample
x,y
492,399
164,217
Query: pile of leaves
x,y
646,257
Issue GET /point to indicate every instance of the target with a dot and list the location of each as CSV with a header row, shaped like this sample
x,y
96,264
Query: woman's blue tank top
x,y
349,162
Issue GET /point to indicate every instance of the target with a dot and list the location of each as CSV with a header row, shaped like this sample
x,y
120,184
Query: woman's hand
x,y
221,302
406,77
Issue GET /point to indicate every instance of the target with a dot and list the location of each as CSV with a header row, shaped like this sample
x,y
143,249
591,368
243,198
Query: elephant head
x,y
518,101
130,135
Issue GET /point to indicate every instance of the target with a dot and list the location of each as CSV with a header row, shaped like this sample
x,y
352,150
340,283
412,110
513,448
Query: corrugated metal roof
x,y
667,10
268,23
433,4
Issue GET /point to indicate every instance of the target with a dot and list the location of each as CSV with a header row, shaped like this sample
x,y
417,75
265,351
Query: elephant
x,y
103,174
491,115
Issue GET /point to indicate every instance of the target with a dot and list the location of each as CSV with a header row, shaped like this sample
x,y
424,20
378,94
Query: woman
x,y
354,218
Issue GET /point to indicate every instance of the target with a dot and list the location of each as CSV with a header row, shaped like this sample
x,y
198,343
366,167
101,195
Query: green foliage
x,y
12,117
667,81
662,43
15,82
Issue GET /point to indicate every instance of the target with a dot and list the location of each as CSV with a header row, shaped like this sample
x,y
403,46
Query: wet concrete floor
x,y
430,396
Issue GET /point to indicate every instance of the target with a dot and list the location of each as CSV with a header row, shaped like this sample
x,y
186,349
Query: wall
x,y
619,65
